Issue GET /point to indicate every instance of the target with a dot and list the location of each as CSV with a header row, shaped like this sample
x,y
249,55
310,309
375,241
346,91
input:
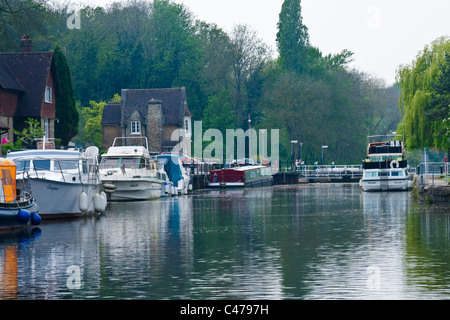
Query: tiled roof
x,y
174,103
111,114
27,72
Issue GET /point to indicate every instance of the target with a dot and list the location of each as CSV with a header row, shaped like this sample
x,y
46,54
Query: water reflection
x,y
287,242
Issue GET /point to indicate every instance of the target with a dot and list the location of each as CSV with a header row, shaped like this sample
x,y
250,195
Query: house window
x,y
135,127
186,124
46,127
48,94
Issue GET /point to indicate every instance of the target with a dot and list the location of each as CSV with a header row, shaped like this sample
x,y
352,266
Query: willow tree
x,y
418,82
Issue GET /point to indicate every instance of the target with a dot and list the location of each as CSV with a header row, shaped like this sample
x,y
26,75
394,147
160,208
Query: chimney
x,y
26,45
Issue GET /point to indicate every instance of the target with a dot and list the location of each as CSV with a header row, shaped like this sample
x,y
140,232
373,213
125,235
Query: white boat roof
x,y
124,151
45,153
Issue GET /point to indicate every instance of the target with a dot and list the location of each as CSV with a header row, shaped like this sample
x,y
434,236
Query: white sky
x,y
383,34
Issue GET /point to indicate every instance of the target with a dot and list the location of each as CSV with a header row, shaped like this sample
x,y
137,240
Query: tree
x,y
422,122
28,135
292,37
66,127
92,117
18,17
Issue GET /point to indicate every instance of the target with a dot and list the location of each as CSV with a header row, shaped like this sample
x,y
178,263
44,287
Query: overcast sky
x,y
383,34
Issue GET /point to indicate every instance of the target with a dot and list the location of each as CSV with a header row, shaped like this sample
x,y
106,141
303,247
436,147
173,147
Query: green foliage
x,y
292,37
424,89
28,135
11,146
218,114
309,96
93,119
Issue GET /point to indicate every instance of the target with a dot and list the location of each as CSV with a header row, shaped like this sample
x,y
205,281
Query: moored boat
x,y
241,176
178,175
385,167
65,183
128,173
18,208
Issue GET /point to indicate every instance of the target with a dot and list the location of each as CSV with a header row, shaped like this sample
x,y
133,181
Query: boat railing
x,y
329,170
130,141
65,169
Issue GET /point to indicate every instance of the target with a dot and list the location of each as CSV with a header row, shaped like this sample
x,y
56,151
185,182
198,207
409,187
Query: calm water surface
x,y
321,241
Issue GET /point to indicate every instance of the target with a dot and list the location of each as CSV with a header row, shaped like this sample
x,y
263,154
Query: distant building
x,y
28,83
161,115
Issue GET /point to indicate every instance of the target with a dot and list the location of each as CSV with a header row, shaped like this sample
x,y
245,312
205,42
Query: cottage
x,y
161,115
28,84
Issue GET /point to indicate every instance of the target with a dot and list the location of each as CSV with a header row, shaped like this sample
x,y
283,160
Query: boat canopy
x,y
7,180
171,163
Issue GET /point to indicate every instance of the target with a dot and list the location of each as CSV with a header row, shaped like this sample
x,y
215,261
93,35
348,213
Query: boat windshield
x,y
128,163
381,158
109,163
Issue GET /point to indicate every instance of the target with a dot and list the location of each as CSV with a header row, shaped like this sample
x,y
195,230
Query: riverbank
x,y
431,190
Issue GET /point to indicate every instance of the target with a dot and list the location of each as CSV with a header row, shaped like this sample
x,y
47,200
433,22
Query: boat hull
x,y
58,199
9,219
133,189
384,181
241,177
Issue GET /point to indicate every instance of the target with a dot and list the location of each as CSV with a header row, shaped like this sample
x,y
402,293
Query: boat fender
x,y
98,205
83,201
35,219
23,216
394,164
104,199
190,187
109,187
166,188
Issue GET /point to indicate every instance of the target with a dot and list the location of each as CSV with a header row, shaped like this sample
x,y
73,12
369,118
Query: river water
x,y
318,241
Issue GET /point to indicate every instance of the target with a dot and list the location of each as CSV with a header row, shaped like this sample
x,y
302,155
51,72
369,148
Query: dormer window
x,y
48,94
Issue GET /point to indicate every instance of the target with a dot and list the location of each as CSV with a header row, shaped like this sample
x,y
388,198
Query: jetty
x,y
288,175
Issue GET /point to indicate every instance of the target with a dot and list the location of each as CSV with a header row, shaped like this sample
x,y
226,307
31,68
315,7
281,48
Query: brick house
x,y
28,84
161,115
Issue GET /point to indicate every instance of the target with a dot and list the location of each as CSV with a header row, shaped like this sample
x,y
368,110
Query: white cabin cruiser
x,y
385,168
64,182
128,173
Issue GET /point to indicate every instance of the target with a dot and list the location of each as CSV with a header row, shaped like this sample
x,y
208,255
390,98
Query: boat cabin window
x,y
371,174
397,174
41,164
130,163
22,165
109,163
66,165
381,158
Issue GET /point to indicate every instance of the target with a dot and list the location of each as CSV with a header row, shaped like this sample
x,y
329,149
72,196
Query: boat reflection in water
x,y
317,241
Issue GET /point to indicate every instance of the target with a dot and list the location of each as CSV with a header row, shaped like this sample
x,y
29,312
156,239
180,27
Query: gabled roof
x,y
27,72
174,103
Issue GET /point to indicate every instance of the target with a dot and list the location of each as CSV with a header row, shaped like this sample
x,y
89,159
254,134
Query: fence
x,y
433,172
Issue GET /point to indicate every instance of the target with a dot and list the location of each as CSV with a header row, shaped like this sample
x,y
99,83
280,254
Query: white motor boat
x,y
64,182
385,168
128,172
